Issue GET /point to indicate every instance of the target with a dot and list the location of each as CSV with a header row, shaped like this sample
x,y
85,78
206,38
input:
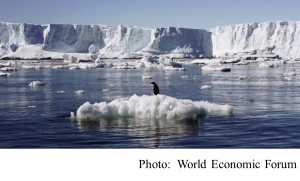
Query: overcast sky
x,y
200,14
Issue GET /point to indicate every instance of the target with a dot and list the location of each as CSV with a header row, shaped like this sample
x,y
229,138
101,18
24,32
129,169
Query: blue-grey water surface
x,y
39,117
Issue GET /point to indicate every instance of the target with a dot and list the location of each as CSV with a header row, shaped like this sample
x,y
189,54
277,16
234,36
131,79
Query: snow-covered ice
x,y
151,107
122,41
277,37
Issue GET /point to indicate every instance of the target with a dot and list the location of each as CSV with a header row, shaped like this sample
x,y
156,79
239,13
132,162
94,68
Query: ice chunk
x,y
216,68
2,74
151,107
146,77
36,83
79,92
206,87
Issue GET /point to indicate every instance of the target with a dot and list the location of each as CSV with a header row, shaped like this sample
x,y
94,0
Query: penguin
x,y
155,88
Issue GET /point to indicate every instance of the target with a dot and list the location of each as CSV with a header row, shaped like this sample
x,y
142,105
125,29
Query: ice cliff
x,y
282,38
29,40
53,40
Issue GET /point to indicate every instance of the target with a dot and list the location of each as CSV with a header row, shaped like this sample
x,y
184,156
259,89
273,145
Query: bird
x,y
155,88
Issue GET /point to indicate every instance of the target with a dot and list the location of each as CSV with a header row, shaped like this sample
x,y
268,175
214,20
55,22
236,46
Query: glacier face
x,y
121,41
282,38
106,41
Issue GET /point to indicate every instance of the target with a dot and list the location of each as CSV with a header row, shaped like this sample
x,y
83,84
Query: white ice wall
x,y
115,41
284,37
108,41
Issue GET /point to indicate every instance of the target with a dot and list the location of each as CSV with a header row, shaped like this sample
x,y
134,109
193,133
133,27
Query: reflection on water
x,y
149,133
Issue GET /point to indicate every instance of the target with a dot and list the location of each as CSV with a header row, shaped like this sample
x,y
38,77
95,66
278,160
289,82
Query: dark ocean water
x,y
39,117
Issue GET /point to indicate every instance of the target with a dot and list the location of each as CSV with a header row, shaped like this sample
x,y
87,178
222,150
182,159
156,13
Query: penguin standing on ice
x,y
155,88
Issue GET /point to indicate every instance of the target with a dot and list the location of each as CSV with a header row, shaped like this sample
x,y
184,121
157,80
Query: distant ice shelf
x,y
34,41
55,41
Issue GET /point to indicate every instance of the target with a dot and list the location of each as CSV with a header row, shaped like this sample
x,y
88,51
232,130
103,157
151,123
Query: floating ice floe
x,y
146,77
35,67
162,63
79,92
36,83
230,60
147,62
28,67
5,64
105,90
205,61
267,65
4,74
74,68
168,62
58,67
243,63
206,87
8,69
61,91
89,65
272,63
41,67
173,68
151,107
124,65
216,68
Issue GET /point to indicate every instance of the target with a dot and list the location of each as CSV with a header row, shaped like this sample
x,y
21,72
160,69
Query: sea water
x,y
265,108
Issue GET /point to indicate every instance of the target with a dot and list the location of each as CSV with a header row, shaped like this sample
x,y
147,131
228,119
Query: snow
x,y
151,107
